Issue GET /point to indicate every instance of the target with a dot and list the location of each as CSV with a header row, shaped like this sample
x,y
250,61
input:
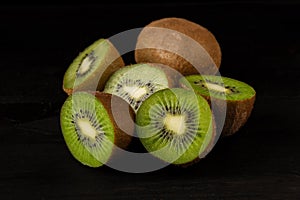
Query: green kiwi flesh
x,y
92,67
238,96
175,125
180,43
135,83
88,128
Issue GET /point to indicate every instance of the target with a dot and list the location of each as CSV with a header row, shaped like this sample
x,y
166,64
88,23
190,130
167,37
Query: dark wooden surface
x,y
261,46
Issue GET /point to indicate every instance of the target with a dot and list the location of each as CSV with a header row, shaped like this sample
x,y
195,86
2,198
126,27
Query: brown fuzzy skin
x,y
122,138
237,113
69,91
94,82
176,42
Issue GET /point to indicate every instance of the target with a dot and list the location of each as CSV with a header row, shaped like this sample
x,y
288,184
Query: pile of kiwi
x,y
172,99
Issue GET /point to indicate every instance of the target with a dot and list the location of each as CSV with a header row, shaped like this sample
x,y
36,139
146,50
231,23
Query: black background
x,y
260,46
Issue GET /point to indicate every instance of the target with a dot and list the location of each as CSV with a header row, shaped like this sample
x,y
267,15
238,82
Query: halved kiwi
x,y
180,43
92,67
90,129
233,99
176,126
135,83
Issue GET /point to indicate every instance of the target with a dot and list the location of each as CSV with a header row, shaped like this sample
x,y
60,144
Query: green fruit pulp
x,y
86,63
135,83
175,125
87,129
219,87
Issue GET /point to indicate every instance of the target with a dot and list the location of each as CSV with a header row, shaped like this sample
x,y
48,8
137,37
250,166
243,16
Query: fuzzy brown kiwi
x,y
233,99
90,128
180,43
91,68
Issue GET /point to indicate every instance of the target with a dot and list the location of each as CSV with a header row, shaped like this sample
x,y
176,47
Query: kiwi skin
x,y
122,139
237,115
94,82
193,30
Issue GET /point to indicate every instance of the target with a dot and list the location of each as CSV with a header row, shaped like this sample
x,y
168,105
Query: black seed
x,y
166,107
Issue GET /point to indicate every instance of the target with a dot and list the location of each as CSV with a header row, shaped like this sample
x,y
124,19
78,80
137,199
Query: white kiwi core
x,y
86,128
215,87
85,65
175,123
135,91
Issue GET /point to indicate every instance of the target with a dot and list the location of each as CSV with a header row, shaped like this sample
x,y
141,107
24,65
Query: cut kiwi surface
x,y
89,129
135,83
175,125
234,99
92,67
180,43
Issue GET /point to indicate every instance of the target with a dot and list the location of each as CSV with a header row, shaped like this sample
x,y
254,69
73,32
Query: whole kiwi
x,y
180,43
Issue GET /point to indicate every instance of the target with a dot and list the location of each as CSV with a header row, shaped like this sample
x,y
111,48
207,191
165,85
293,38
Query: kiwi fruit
x,y
89,127
92,67
135,83
180,43
234,99
176,126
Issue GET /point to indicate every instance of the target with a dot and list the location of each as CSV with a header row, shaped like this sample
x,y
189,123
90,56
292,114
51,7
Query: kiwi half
x,y
182,44
89,128
92,67
235,96
135,83
176,126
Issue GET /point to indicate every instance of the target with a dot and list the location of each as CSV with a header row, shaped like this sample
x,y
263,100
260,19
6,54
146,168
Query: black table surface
x,y
260,46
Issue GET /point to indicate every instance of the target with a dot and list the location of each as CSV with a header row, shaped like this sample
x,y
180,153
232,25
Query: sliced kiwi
x,y
176,126
233,98
89,128
180,43
135,83
92,67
